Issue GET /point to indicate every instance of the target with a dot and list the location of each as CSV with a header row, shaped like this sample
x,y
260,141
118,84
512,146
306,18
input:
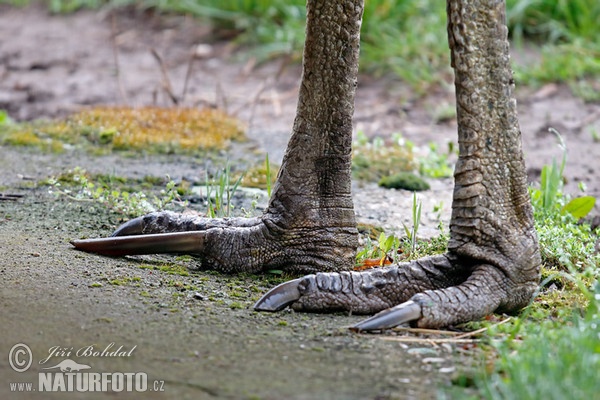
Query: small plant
x,y
388,246
404,180
437,164
549,195
595,136
549,362
5,120
79,186
268,173
373,159
565,243
222,188
381,254
411,234
261,176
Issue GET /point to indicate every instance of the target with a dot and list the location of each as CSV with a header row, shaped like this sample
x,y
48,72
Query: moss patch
x,y
172,269
404,180
256,176
373,160
104,129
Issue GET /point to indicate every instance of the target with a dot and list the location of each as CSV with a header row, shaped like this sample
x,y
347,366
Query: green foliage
x,y
261,176
411,233
550,362
565,244
5,120
171,269
277,26
407,38
577,63
375,158
436,164
78,185
268,175
404,37
554,20
393,162
549,195
404,180
579,207
222,187
385,249
568,31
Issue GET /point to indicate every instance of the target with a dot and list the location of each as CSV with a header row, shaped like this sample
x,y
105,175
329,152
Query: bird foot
x,y
288,293
232,244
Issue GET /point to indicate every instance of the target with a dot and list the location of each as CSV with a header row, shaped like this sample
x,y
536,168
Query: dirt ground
x,y
196,333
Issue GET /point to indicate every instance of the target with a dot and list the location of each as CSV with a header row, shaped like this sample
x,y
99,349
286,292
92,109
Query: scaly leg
x,y
493,260
309,224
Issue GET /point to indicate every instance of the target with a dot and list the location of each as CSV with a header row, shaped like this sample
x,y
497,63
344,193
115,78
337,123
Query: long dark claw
x,y
132,227
177,242
405,312
279,297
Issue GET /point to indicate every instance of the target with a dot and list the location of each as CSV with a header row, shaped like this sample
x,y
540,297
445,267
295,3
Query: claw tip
x,y
400,314
279,297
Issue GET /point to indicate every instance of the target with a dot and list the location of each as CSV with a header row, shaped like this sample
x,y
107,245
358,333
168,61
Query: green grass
x,y
404,37
550,362
552,350
566,244
123,196
397,163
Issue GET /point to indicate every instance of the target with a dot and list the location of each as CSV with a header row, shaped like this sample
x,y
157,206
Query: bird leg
x,y
309,224
493,260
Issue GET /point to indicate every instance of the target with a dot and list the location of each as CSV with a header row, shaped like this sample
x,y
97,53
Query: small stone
x,y
421,350
199,296
446,370
203,50
433,360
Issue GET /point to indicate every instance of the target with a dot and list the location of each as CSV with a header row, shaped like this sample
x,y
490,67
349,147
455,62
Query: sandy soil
x,y
196,333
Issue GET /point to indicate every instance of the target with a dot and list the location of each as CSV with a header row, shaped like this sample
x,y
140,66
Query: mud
x,y
197,333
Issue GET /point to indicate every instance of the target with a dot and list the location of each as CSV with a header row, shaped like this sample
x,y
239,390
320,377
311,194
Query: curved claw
x,y
279,297
132,227
176,242
405,312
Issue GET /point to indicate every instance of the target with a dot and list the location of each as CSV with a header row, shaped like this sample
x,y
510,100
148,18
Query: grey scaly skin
x,y
493,260
309,224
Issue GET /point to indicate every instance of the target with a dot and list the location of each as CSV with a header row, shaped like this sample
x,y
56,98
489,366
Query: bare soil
x,y
197,332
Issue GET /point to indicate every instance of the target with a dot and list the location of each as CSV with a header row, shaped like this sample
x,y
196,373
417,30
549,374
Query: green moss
x,y
102,130
404,180
236,305
256,176
124,280
171,269
373,158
